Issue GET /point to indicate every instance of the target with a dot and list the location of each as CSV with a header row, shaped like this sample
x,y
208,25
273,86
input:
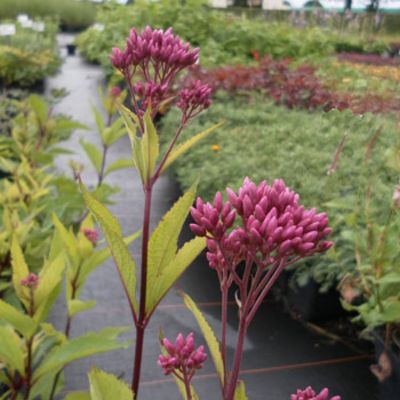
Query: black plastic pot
x,y
311,305
389,389
71,49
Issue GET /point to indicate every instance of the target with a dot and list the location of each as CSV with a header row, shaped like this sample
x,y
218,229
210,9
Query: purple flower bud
x,y
310,394
182,356
31,281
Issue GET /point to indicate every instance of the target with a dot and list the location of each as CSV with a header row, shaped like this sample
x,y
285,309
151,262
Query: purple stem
x,y
231,387
141,322
224,315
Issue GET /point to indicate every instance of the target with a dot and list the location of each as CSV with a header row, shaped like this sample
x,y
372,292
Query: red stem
x,y
141,322
265,290
186,381
231,387
224,315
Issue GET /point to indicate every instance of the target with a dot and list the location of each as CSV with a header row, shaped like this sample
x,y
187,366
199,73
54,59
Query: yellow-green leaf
x,y
149,143
11,352
19,270
119,164
164,240
78,396
113,233
208,334
94,154
104,386
185,146
240,391
68,240
170,274
49,278
80,347
76,306
21,322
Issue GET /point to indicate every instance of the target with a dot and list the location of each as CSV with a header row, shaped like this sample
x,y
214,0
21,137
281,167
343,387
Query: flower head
x,y
31,281
273,225
396,197
194,98
310,394
182,356
91,234
163,51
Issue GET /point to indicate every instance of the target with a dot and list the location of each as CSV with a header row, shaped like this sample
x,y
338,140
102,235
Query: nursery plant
x,y
33,352
28,56
262,227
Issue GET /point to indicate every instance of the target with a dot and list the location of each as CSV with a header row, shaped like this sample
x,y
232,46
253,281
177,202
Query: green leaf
x,y
208,334
11,352
164,241
19,270
171,273
240,392
77,348
99,119
98,257
68,240
184,147
21,322
76,306
49,278
94,154
119,164
78,396
113,233
149,143
115,132
105,386
39,107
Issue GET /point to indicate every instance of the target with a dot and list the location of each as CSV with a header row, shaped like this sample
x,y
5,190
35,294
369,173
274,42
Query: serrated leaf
x,y
104,386
21,322
76,306
184,147
208,334
115,132
80,347
164,240
240,392
94,154
171,273
113,233
119,164
19,270
11,352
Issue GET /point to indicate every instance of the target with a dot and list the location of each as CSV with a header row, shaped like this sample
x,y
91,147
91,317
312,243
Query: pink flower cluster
x,y
91,234
310,394
194,98
273,226
31,281
182,356
158,57
167,53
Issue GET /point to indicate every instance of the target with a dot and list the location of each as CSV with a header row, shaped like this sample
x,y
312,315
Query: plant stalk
x,y
141,322
230,389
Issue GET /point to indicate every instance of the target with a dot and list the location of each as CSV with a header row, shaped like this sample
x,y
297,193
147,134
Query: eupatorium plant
x,y
149,63
251,239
